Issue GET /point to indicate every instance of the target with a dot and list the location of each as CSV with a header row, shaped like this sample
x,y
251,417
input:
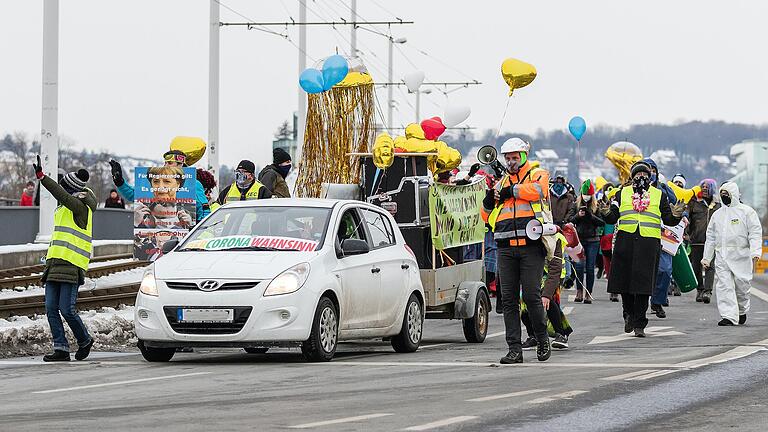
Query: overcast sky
x,y
134,74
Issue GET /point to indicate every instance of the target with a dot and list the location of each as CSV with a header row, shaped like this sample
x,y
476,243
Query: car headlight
x,y
148,283
288,281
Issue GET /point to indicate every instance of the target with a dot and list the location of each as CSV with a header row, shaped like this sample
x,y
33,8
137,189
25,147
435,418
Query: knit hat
x,y
76,180
679,178
640,166
247,166
279,156
587,188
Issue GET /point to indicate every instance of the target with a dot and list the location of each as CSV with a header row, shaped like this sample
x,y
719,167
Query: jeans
x,y
590,251
663,278
61,297
522,266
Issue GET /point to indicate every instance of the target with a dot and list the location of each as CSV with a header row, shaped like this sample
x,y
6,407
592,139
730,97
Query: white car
x,y
283,272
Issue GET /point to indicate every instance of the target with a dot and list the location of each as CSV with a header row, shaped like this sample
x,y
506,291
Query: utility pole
x,y
213,90
390,102
353,36
302,116
49,130
390,83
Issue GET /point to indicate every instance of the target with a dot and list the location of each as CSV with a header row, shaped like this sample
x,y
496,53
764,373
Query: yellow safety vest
x,y
235,195
649,220
537,206
564,243
70,242
214,206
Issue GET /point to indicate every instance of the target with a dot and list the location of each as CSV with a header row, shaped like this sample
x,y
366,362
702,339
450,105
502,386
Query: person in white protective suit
x,y
734,237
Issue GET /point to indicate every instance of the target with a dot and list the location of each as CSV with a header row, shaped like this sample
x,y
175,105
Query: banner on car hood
x,y
454,214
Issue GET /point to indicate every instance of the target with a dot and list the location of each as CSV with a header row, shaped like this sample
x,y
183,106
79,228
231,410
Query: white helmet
x,y
515,145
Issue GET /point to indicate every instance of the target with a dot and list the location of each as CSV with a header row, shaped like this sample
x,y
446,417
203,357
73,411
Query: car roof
x,y
293,202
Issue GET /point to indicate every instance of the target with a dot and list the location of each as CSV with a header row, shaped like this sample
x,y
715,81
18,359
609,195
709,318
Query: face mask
x,y
558,189
654,177
241,179
513,166
641,183
284,170
726,199
587,198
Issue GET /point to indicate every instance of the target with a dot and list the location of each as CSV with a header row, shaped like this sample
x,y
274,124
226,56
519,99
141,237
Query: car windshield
x,y
260,229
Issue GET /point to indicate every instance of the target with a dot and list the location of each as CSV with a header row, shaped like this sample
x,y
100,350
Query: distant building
x,y
288,141
751,158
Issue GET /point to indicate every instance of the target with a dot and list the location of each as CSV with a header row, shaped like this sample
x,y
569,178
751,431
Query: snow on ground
x,y
112,330
120,278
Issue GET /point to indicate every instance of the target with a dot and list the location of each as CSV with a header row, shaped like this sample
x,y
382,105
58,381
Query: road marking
x,y
759,294
650,331
507,395
571,298
655,374
567,310
493,335
436,345
341,420
562,396
736,353
440,423
120,383
627,375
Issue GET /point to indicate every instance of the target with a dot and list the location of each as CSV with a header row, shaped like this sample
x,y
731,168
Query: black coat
x,y
635,258
587,225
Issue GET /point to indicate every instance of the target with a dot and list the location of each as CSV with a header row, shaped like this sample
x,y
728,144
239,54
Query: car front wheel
x,y
156,354
409,338
324,337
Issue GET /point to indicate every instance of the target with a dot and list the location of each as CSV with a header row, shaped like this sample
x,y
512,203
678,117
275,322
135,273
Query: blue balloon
x,y
577,126
311,80
335,69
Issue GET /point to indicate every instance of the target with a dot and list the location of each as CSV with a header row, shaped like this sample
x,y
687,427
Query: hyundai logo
x,y
209,285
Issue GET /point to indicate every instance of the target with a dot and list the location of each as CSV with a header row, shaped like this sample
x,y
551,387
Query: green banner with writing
x,y
454,213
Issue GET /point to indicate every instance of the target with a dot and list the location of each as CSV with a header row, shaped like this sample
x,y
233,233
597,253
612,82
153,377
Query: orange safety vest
x,y
530,195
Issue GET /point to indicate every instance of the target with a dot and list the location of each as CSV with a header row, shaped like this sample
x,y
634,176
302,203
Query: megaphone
x,y
487,155
535,229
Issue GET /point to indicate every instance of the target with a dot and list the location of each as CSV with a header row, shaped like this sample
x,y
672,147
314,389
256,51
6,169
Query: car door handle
x,y
405,266
375,270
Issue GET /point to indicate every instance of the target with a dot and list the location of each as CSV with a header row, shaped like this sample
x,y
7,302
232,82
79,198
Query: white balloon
x,y
455,114
414,80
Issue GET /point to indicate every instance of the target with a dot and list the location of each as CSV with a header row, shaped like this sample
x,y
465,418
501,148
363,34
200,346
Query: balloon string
x,y
504,116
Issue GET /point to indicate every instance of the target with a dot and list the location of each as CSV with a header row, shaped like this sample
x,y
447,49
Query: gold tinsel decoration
x,y
339,121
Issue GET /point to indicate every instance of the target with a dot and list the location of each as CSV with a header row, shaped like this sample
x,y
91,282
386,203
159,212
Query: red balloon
x,y
433,128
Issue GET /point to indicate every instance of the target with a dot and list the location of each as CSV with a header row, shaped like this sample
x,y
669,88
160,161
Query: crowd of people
x,y
618,235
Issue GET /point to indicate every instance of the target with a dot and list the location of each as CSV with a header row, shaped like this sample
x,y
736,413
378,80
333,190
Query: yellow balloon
x,y
383,151
684,194
600,181
193,147
517,74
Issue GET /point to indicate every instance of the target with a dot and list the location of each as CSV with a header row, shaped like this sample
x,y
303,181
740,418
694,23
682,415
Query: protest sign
x,y
454,214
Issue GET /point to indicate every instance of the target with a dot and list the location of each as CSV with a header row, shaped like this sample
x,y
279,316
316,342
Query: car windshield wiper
x,y
193,249
211,225
258,248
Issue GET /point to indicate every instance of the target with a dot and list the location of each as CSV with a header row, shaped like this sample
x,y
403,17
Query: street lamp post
x,y
390,106
418,101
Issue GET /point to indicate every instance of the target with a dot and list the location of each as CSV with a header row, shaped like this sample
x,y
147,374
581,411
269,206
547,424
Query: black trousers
x,y
635,307
706,279
522,266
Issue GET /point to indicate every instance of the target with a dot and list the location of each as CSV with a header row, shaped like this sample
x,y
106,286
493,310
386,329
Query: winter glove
x,y
505,194
117,172
705,263
38,167
489,201
603,209
474,169
678,208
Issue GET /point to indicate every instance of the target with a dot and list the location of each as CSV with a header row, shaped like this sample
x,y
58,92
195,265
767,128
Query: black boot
x,y
544,350
512,357
627,325
57,355
725,322
742,319
658,310
83,351
639,332
706,298
699,295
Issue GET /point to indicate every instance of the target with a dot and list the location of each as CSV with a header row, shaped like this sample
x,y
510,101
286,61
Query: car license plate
x,y
205,315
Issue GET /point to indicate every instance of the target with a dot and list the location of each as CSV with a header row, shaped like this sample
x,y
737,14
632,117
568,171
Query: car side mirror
x,y
351,247
169,245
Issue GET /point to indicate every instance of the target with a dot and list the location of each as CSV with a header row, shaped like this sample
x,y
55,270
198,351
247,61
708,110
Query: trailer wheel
x,y
476,328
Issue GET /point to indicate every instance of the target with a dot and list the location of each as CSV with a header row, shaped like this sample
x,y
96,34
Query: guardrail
x,y
108,224
101,297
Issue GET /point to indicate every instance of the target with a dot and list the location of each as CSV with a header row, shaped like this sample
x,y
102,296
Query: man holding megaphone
x,y
517,199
